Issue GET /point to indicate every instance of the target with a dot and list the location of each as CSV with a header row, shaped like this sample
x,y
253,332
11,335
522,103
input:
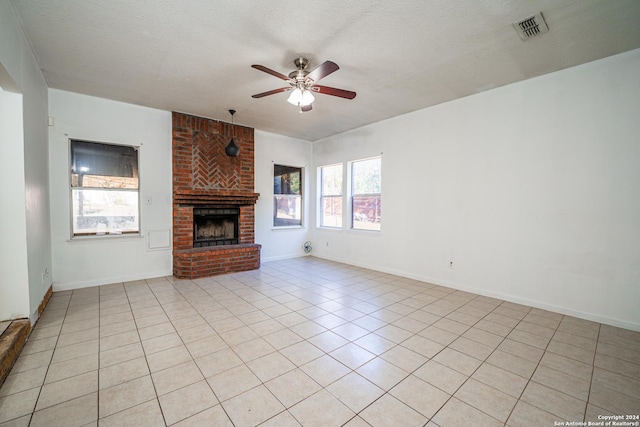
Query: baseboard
x,y
45,300
36,315
281,257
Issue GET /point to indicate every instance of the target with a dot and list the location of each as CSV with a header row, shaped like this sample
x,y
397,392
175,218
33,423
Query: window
x,y
365,194
331,196
287,196
104,189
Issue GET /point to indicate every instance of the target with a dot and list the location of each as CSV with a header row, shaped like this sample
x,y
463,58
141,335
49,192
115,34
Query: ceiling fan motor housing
x,y
298,75
301,73
301,63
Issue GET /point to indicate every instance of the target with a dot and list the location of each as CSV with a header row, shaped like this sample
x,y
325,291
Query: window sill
x,y
363,230
104,237
328,227
288,227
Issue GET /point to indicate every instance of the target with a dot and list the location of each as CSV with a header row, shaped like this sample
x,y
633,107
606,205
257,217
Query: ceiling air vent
x,y
531,26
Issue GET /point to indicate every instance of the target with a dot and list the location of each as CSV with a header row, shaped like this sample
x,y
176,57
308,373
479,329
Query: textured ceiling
x,y
195,56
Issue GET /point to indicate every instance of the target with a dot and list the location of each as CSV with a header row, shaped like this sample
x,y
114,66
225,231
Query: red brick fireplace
x,y
208,181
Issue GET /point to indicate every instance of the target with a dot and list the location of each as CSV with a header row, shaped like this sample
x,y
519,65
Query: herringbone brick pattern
x,y
212,168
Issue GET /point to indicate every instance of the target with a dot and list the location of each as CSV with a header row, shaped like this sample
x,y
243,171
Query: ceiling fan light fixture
x,y
301,97
296,97
307,98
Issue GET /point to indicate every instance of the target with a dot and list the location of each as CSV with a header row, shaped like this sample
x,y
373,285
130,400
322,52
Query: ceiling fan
x,y
302,83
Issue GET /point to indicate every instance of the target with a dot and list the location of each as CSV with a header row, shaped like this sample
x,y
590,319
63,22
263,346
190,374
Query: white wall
x,y
19,67
531,190
14,275
88,262
273,149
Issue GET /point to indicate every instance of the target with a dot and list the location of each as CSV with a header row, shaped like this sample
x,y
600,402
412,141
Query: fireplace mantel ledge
x,y
207,197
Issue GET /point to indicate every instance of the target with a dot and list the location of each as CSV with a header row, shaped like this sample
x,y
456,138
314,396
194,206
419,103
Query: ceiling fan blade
x,y
323,70
270,71
306,108
271,92
333,91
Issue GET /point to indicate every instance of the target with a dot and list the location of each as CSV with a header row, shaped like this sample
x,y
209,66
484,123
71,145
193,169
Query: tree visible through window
x,y
287,196
331,196
366,184
104,189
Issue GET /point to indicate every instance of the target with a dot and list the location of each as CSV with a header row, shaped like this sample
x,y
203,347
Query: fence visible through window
x,y
366,197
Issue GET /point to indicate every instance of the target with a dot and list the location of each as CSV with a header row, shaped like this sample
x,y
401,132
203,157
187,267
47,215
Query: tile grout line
x,y
35,405
157,398
192,357
593,370
519,399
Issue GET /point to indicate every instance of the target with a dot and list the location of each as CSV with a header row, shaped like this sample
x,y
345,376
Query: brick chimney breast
x,y
204,176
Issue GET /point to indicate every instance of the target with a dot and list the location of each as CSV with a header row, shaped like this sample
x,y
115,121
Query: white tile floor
x,y
314,343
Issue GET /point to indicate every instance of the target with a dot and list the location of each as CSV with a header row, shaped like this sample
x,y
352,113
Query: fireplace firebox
x,y
215,226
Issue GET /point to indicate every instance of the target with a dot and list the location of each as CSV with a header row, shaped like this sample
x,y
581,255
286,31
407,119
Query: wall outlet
x,y
450,264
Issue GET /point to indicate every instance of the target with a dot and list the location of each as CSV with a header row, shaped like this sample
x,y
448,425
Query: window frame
x,y
353,195
339,196
301,171
108,234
